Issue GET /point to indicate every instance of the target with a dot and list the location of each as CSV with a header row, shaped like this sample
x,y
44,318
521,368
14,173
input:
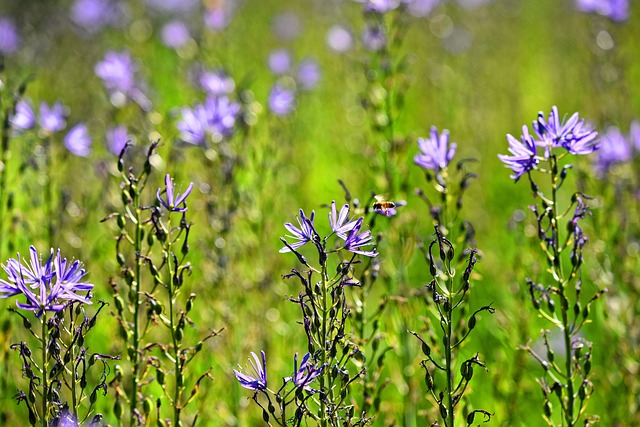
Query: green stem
x,y
557,266
176,349
135,364
449,356
48,193
323,346
45,367
73,364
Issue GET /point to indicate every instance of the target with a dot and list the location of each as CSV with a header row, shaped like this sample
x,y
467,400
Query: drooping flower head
x,y
302,235
305,374
523,154
436,152
78,141
173,201
254,378
56,282
573,134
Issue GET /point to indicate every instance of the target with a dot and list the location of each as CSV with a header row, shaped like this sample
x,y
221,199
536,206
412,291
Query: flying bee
x,y
385,207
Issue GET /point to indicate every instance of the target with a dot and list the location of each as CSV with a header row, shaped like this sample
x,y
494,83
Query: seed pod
x,y
426,350
117,408
122,222
160,376
470,418
472,322
147,406
547,409
428,380
443,411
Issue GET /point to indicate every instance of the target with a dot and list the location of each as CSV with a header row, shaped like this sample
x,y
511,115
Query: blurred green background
x,y
480,71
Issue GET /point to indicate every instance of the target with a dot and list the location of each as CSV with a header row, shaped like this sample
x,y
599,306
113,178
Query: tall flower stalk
x,y
325,318
446,296
561,241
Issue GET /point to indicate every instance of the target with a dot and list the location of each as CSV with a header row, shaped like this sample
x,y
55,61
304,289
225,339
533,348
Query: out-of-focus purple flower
x,y
220,115
308,74
282,100
78,140
355,242
634,134
173,201
65,419
24,118
305,374
175,34
421,8
286,26
303,234
379,6
339,39
614,148
573,134
117,137
216,82
523,158
192,125
9,38
280,61
436,150
254,378
374,37
51,295
117,72
340,223
616,10
94,15
52,119
218,17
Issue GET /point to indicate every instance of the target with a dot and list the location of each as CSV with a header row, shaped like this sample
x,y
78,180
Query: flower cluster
x,y
341,226
215,119
56,281
573,135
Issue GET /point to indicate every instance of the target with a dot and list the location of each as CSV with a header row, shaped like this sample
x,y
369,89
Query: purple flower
x,y
304,234
51,295
175,34
379,6
216,82
634,134
117,72
374,37
94,15
436,151
78,141
573,134
308,74
339,39
523,158
24,118
616,10
305,374
280,61
421,8
614,148
219,17
220,115
254,378
354,241
117,137
339,222
52,119
192,125
9,39
172,202
282,100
